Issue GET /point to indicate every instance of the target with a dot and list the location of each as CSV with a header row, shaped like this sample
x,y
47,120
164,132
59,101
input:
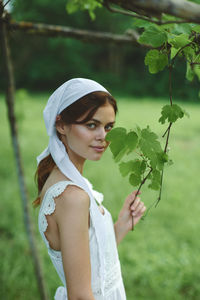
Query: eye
x,y
91,125
108,127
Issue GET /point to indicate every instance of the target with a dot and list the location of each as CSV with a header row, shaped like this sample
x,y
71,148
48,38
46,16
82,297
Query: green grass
x,y
160,259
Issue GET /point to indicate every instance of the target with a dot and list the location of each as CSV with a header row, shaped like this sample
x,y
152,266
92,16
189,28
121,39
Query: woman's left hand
x,y
129,215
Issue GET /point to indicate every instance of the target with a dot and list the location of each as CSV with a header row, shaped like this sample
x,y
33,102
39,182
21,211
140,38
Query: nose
x,y
101,134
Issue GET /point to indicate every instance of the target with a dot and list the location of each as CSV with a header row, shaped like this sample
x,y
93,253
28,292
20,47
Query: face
x,y
87,141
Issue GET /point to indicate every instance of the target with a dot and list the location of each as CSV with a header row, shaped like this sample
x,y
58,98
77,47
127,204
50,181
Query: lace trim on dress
x,y
48,206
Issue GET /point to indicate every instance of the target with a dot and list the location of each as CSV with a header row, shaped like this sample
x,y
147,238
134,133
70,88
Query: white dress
x,y
113,287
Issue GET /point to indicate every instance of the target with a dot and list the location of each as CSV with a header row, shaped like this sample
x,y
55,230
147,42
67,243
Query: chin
x,y
95,158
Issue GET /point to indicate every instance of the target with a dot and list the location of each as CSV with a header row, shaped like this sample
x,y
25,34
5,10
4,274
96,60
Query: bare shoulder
x,y
72,198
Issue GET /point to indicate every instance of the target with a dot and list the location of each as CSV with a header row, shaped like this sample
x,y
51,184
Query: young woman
x,y
78,231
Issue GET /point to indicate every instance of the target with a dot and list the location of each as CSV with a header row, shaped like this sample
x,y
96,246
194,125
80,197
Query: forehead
x,y
105,112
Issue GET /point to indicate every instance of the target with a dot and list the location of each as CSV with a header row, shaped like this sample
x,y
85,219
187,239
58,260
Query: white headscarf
x,y
68,93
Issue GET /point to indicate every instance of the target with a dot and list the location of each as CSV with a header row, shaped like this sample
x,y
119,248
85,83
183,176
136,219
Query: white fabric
x,y
65,95
113,288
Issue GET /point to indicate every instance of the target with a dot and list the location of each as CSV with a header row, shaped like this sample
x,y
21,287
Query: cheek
x,y
80,135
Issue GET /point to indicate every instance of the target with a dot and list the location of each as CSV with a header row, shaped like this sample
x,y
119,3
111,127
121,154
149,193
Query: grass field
x,y
161,258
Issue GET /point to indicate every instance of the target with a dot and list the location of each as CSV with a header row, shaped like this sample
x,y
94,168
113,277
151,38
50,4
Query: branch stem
x,y
10,95
140,186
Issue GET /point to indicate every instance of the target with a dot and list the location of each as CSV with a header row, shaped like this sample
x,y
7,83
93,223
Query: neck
x,y
77,161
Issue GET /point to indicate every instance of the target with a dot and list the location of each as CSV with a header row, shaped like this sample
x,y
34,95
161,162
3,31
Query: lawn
x,y
160,258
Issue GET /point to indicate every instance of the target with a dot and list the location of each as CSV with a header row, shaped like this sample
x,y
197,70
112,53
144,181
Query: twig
x,y
166,131
187,45
161,184
140,186
16,148
79,34
6,3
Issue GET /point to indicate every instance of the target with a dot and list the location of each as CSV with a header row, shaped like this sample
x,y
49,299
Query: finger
x,y
140,213
132,197
139,208
135,203
129,200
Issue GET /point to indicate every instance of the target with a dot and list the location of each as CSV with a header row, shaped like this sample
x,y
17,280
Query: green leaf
x,y
197,71
155,180
90,5
156,61
132,140
116,134
162,159
126,167
171,113
179,41
134,179
182,28
141,23
189,72
189,53
150,145
143,166
196,28
154,36
117,137
174,51
72,7
136,166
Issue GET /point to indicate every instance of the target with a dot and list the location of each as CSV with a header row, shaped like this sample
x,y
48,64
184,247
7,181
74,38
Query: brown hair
x,y
87,104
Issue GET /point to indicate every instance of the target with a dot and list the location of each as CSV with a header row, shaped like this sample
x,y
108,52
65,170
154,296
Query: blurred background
x,y
42,63
160,259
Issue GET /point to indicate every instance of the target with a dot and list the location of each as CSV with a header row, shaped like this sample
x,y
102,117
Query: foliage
x,y
169,41
90,5
119,68
143,145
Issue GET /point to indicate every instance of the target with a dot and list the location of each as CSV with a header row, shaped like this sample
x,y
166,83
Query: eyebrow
x,y
99,122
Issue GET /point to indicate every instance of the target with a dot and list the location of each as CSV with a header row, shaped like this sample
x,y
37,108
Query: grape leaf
x,y
150,145
155,180
162,158
137,166
196,28
126,167
132,140
134,179
174,52
182,28
189,72
156,61
117,137
141,23
197,71
90,5
154,36
178,41
171,113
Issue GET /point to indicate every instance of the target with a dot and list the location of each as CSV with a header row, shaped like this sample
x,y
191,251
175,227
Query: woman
x,y
77,230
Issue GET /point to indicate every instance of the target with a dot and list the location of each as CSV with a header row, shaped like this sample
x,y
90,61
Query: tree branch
x,y
139,16
186,10
131,37
140,186
14,135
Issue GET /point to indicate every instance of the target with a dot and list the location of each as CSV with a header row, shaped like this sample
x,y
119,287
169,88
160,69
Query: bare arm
x,y
72,213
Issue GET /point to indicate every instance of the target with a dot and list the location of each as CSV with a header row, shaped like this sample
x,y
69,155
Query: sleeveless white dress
x,y
113,287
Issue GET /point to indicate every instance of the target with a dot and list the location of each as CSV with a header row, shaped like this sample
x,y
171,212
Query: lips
x,y
98,148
